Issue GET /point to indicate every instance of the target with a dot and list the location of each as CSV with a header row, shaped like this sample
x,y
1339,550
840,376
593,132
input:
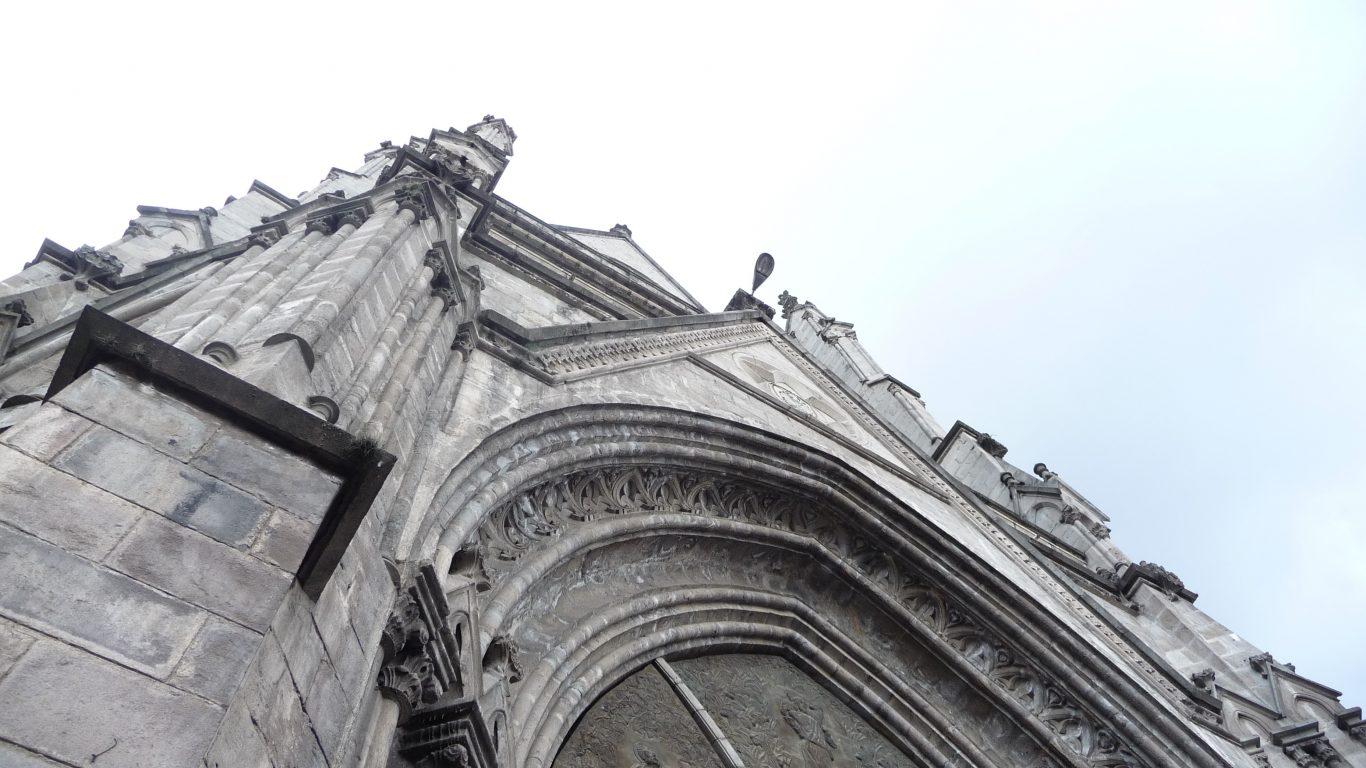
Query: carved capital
x,y
420,660
354,217
321,224
1102,531
434,260
89,264
265,238
136,229
448,296
466,339
411,198
1069,515
1315,753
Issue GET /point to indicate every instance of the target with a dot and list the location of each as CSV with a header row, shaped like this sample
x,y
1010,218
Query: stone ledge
x,y
100,338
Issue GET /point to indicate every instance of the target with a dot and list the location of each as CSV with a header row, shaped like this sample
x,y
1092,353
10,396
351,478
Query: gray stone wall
x,y
147,546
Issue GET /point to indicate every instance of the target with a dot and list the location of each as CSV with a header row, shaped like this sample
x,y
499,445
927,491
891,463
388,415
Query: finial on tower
x,y
763,267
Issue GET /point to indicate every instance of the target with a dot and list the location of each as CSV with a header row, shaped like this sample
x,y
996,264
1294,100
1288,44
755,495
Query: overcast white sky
x,y
1125,239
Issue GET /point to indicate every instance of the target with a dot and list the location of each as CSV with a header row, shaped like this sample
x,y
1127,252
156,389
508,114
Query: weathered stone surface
x,y
202,571
268,471
59,508
105,612
284,539
139,410
69,704
14,640
328,708
216,659
14,757
239,743
299,641
639,722
48,430
287,731
182,493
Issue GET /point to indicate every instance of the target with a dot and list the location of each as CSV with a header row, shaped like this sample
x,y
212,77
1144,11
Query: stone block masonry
x,y
149,545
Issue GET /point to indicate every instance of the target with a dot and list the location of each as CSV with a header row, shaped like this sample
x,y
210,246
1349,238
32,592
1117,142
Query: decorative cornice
x,y
575,358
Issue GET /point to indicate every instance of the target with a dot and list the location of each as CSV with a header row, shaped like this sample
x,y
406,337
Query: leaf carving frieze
x,y
551,510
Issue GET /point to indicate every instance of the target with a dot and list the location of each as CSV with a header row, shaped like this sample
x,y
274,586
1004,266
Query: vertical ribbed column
x,y
214,319
402,514
351,405
319,242
212,280
396,389
331,302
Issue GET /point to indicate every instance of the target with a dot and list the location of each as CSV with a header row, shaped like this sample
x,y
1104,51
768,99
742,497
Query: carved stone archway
x,y
744,541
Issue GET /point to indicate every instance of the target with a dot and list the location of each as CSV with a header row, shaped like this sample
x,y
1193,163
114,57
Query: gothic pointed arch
x,y
604,537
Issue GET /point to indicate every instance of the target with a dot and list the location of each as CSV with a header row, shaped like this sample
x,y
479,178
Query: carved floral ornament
x,y
549,510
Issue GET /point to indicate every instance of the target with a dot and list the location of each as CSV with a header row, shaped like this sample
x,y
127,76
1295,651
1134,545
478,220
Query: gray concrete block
x,y
16,757
91,606
139,410
271,472
287,731
182,493
14,641
69,704
59,508
299,641
202,571
283,540
46,431
239,744
215,662
328,709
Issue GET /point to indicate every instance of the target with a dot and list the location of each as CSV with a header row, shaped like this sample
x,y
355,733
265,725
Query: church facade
x,y
395,474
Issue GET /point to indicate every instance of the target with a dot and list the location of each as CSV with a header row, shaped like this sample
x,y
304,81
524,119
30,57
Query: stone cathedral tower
x,y
396,474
